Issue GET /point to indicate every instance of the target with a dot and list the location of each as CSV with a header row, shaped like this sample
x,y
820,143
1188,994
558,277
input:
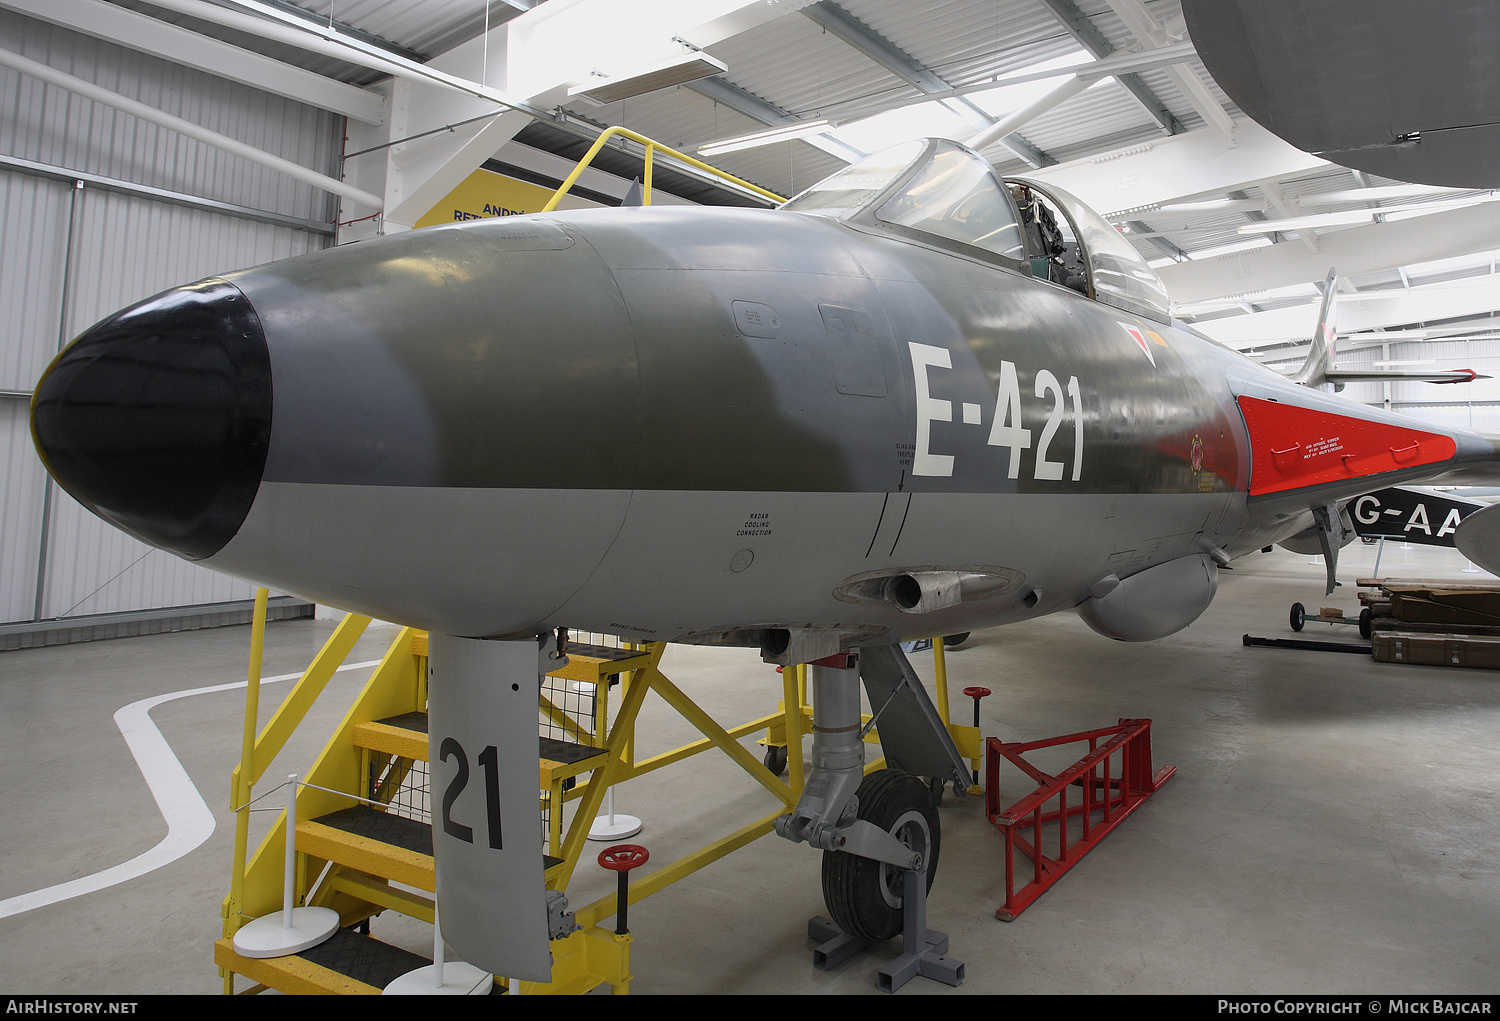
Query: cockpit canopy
x,y
941,193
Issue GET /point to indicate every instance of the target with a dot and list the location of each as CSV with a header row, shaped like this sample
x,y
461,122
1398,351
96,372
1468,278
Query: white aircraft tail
x,y
1315,371
1318,371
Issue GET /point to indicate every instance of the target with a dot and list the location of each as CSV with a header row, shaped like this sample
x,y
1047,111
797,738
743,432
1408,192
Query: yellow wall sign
x,y
486,193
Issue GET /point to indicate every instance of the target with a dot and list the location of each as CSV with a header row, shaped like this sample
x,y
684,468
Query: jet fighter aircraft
x,y
914,400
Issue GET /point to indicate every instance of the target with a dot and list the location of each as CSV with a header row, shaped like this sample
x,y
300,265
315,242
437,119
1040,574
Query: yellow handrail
x,y
240,782
257,752
651,145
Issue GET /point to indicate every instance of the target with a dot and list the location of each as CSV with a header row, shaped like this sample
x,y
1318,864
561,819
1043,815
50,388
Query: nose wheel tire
x,y
864,896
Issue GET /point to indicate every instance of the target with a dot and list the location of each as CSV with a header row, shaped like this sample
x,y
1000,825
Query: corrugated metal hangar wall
x,y
154,210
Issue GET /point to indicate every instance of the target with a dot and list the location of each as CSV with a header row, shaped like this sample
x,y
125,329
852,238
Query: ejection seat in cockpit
x,y
1054,255
1095,259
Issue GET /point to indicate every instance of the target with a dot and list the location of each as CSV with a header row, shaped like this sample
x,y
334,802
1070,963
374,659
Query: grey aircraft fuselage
x,y
676,423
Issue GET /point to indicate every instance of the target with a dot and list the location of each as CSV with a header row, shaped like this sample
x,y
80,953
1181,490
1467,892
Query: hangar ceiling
x,y
1242,227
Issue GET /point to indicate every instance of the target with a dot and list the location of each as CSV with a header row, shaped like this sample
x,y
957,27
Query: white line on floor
x,y
189,821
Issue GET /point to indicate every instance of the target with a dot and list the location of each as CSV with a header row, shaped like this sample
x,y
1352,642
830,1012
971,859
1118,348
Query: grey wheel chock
x,y
924,954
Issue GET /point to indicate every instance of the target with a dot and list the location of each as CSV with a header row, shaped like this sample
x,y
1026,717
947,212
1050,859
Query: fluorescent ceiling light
x,y
1352,216
663,75
1482,261
782,134
1377,339
1415,361
1214,206
1239,246
1378,194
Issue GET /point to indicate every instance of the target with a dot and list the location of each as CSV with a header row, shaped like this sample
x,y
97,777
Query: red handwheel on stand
x,y
620,859
976,694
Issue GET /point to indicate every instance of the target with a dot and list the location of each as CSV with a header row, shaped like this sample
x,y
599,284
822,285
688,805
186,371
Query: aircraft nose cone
x,y
158,418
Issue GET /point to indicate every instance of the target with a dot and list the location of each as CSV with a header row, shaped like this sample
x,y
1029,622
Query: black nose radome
x,y
158,418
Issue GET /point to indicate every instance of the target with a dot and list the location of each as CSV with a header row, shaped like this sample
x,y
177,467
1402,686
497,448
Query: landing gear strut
x,y
879,834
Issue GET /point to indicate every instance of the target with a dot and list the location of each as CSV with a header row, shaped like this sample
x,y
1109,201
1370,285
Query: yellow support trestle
x,y
369,877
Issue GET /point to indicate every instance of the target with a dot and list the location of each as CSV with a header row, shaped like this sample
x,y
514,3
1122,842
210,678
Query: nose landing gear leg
x,y
879,834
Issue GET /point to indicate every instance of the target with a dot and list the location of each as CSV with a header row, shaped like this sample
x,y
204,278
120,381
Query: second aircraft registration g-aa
x,y
916,399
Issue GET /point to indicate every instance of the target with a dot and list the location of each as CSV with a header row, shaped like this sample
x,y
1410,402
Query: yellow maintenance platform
x,y
363,840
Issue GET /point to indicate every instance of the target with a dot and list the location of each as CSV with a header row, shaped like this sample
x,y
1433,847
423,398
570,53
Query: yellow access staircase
x,y
363,841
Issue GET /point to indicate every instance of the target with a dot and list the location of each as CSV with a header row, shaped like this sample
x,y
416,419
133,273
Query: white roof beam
x,y
1357,312
1092,71
1091,39
190,49
1371,249
882,51
1144,26
292,35
1484,328
999,131
1288,207
89,90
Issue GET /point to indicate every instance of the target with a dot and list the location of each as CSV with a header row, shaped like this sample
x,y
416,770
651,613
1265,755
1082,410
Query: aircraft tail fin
x,y
1315,371
1318,371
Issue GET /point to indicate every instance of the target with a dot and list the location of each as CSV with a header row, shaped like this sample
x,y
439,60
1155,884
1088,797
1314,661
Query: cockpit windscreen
x,y
852,187
957,196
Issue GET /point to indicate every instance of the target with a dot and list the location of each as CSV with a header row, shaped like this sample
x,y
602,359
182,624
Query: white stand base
x,y
266,937
614,827
459,979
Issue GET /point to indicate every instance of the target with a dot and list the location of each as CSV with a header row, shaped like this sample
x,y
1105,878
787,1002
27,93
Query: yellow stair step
x,y
593,663
561,759
404,735
379,894
344,964
585,662
378,843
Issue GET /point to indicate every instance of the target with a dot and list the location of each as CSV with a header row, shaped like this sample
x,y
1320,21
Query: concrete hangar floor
x,y
1331,828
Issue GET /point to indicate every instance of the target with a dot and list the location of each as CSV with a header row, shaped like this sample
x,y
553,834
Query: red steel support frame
x,y
1115,777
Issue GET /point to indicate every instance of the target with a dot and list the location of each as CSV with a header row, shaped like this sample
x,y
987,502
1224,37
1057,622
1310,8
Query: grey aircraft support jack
x,y
923,955
880,833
